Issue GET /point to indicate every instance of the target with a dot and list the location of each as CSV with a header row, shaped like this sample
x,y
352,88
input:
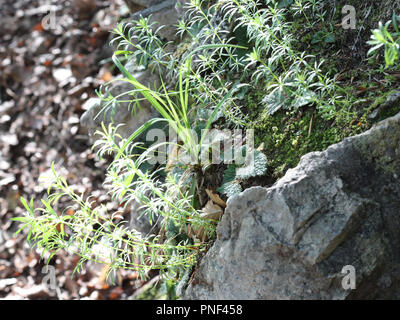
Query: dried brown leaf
x,y
215,198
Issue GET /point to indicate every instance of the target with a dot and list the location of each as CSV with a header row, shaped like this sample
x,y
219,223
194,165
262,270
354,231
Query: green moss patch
x,y
288,135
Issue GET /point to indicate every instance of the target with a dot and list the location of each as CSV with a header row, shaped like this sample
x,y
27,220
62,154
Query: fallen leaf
x,y
93,41
172,158
116,293
212,211
102,280
106,76
215,198
38,27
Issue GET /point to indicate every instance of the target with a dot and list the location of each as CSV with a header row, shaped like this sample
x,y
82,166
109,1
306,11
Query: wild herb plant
x,y
242,43
382,37
229,47
94,235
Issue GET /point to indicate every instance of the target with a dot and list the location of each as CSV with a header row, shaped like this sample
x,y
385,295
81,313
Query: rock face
x,y
126,112
164,14
142,3
338,207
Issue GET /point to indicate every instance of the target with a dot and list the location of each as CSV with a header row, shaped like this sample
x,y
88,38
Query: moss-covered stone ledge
x,y
339,207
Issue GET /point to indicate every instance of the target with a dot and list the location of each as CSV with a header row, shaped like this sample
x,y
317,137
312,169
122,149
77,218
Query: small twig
x,y
310,126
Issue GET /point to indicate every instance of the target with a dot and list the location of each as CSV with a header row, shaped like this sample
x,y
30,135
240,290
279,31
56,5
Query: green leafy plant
x,y
94,234
176,115
293,79
382,37
255,165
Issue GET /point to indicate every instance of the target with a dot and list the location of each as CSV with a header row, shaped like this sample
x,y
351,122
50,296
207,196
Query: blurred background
x,y
53,55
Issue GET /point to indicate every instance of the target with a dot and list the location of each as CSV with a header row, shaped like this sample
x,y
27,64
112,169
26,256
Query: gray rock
x,y
143,3
291,241
165,14
123,113
392,100
134,5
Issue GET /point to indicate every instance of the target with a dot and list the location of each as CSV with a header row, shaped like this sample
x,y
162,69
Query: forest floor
x,y
47,72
